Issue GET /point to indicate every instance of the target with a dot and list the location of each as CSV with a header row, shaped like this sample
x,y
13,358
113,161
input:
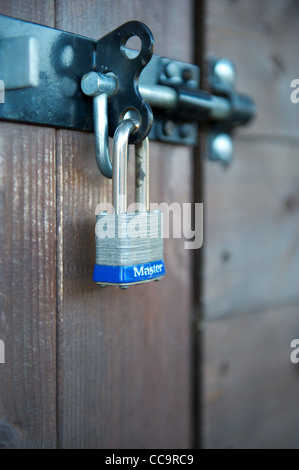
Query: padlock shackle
x,y
142,174
120,159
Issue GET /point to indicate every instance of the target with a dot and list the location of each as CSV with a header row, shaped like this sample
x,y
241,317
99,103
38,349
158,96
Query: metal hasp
x,y
111,57
47,88
117,80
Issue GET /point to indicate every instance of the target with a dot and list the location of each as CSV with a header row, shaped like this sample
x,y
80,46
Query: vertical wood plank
x,y
261,39
28,377
124,356
250,278
27,282
252,229
36,11
250,387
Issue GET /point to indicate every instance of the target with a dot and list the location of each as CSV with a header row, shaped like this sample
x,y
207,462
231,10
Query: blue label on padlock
x,y
128,274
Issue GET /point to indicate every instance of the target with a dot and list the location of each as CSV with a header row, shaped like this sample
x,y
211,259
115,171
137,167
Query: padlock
x,y
129,246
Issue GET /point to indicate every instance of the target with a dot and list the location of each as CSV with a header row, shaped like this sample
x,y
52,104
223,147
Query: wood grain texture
x,y
251,260
36,11
250,386
166,20
261,39
27,282
27,309
124,356
251,229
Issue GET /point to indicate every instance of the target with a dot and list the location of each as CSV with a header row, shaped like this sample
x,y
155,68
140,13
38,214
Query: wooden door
x,y
88,367
250,293
202,358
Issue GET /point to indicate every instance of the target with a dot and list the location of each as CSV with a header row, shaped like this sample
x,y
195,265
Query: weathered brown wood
x,y
27,282
124,356
261,38
251,263
251,229
37,11
250,386
27,321
166,21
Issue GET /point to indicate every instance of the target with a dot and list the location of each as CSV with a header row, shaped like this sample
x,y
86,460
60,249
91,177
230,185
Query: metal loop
x,y
120,164
101,143
100,87
120,159
142,174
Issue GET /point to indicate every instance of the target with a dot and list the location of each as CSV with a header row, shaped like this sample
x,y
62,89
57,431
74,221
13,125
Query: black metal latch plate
x,y
42,69
63,58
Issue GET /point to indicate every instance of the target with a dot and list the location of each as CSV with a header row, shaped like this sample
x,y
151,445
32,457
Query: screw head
x,y
224,71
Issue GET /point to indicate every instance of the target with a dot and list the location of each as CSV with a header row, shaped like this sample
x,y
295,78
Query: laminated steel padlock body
x,y
129,246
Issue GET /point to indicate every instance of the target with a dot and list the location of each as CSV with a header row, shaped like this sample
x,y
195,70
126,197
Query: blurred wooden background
x,y
250,290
